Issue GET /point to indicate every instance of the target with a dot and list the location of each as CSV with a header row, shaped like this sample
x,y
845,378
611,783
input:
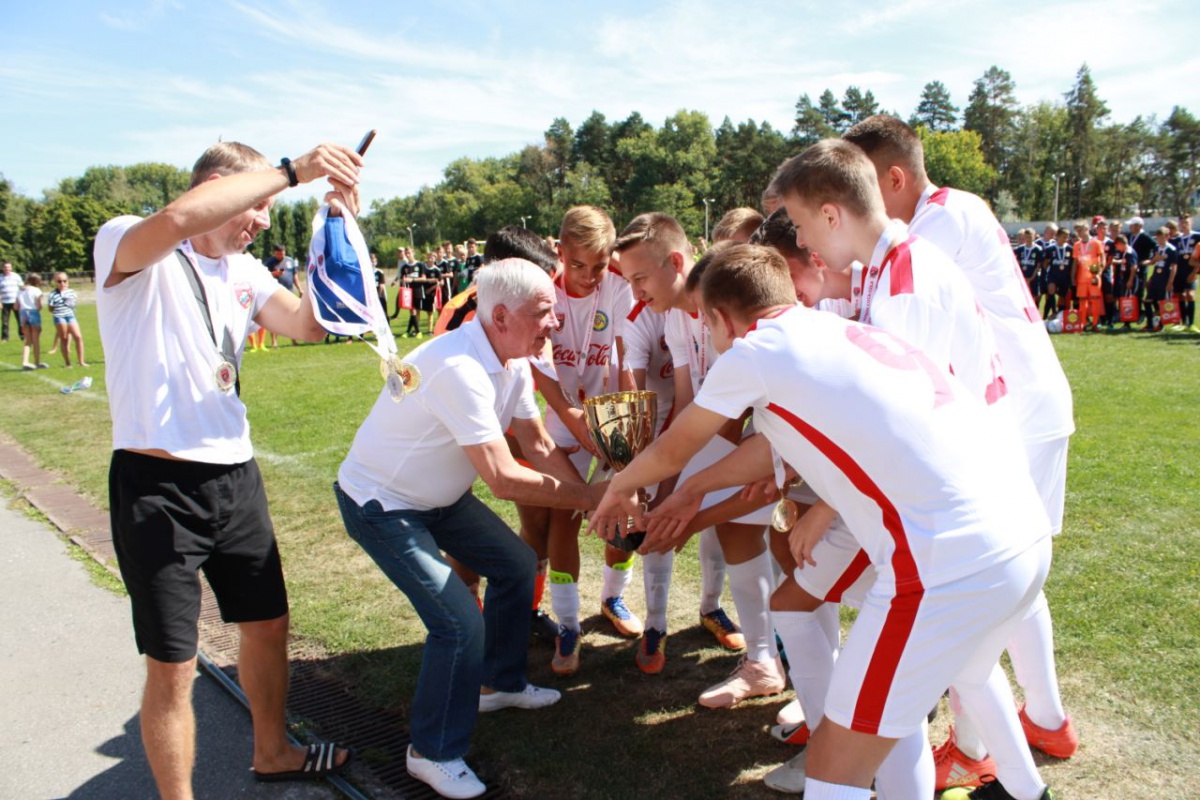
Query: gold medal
x,y
786,513
401,377
226,376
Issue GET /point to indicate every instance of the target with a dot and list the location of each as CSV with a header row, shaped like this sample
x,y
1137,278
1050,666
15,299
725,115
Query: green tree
x,y
1177,160
746,158
1039,153
935,110
858,106
992,113
1085,111
836,118
59,244
955,158
810,126
593,142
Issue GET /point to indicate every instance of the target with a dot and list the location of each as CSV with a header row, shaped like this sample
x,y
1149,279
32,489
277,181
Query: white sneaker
x,y
529,697
448,778
788,777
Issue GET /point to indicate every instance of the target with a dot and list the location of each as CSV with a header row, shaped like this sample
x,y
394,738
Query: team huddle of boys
x,y
867,363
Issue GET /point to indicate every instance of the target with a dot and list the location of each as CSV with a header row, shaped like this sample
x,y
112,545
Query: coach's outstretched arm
x,y
509,480
214,202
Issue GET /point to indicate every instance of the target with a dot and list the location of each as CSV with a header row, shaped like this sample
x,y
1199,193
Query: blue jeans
x,y
465,650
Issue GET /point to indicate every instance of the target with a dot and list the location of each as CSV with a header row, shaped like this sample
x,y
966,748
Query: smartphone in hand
x,y
365,143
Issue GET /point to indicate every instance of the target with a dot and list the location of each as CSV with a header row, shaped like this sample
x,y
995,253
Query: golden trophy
x,y
622,425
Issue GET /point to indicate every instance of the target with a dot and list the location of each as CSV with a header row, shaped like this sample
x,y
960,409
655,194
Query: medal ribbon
x,y
581,356
224,349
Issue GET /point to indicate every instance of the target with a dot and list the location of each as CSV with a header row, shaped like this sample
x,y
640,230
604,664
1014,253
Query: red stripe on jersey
x,y
853,572
939,197
900,263
637,309
615,271
670,417
902,613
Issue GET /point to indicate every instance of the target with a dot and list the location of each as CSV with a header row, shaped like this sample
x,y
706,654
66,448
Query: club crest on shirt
x,y
600,321
561,318
244,294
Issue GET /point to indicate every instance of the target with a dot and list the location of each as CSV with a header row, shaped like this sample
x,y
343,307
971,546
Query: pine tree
x,y
935,111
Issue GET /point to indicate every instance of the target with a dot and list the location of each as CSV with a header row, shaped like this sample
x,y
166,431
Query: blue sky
x,y
84,83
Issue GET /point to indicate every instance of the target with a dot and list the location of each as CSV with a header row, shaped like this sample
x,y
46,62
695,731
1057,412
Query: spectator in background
x,y
1141,242
29,311
1185,243
1089,262
380,282
473,262
283,269
1164,264
403,259
737,226
10,287
1056,273
62,301
1030,257
449,265
1125,273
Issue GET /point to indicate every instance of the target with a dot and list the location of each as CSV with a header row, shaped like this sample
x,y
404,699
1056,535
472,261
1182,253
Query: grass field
x,y
1125,588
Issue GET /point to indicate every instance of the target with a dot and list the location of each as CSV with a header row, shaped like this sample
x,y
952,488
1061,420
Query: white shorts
x,y
905,650
843,572
1048,467
716,449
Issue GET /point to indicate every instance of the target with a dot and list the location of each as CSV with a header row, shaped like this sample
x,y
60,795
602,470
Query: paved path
x,y
71,680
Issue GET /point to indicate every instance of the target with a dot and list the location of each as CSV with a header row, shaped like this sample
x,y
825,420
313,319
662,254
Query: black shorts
x,y
172,518
1182,284
1059,278
1156,291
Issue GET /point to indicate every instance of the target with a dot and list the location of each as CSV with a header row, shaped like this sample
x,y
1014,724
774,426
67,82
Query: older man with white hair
x,y
405,495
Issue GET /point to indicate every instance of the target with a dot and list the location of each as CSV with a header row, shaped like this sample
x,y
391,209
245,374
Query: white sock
x,y
564,599
750,585
810,660
712,571
908,770
965,736
656,578
1031,649
991,709
616,579
820,790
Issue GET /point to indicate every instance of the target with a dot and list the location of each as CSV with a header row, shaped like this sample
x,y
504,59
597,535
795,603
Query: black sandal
x,y
319,762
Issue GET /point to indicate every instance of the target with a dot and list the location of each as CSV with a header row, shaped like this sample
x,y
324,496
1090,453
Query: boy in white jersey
x,y
884,435
648,367
591,304
656,259
963,226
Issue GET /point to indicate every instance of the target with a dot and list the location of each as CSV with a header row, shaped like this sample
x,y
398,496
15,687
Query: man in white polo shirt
x,y
176,296
468,387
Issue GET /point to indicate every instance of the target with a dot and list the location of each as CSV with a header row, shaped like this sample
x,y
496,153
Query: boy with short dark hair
x,y
901,437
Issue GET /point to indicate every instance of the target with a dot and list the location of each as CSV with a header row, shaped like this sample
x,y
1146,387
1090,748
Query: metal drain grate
x,y
380,737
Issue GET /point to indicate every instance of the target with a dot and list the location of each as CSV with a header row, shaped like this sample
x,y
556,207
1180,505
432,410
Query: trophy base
x,y
628,542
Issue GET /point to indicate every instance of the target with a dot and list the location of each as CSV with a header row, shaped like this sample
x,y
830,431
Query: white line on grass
x,y
91,394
